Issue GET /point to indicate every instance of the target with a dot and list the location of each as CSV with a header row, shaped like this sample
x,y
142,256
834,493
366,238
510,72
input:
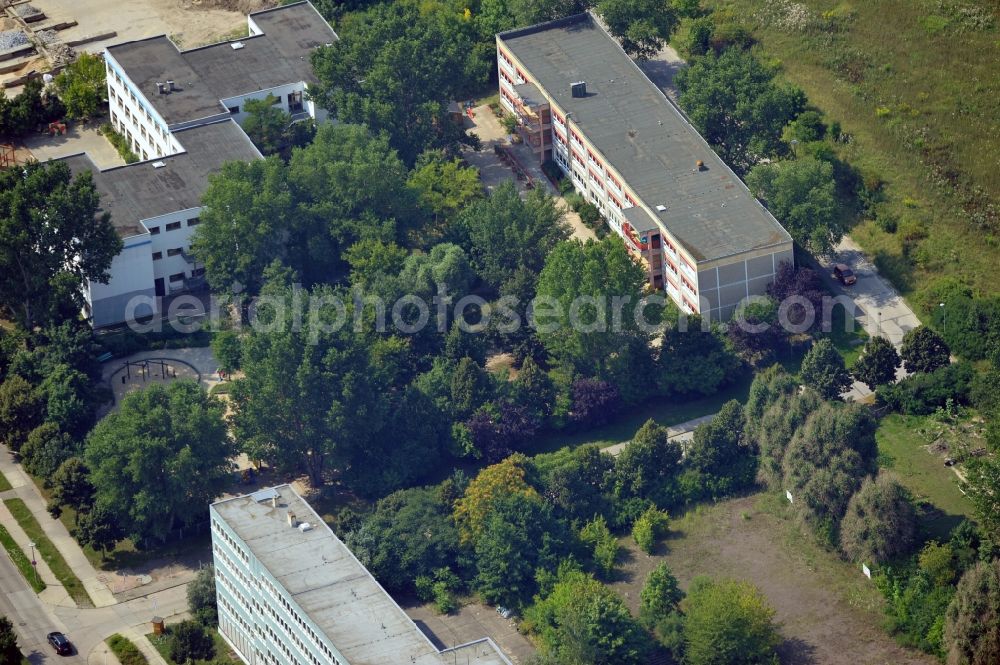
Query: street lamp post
x,y
944,314
34,563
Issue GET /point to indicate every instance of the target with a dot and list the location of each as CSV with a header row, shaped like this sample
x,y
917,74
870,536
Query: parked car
x,y
843,273
60,643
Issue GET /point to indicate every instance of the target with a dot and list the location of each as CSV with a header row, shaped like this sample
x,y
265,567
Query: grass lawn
x,y
902,445
223,654
47,550
828,611
914,84
21,560
4,483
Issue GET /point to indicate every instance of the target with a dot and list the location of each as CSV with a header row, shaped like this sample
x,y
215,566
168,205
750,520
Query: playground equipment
x,y
146,369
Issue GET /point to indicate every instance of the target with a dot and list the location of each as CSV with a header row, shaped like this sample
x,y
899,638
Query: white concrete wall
x,y
281,92
165,241
131,280
134,117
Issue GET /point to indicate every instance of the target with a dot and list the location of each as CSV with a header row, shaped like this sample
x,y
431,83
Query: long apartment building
x,y
584,104
180,113
291,593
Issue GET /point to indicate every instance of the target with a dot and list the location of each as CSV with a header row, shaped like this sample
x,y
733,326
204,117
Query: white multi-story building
x,y
291,593
584,104
179,111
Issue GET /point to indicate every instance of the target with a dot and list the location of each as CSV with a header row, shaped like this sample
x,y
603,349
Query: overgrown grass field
x,y
914,84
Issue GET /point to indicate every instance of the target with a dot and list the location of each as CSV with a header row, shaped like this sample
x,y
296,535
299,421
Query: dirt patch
x,y
240,6
829,613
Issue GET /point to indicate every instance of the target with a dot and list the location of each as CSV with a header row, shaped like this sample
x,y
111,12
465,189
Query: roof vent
x,y
236,46
170,86
661,208
159,165
292,522
159,88
578,89
305,526
700,165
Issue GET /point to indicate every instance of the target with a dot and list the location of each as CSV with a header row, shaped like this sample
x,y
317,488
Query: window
x,y
154,230
157,256
194,221
177,277
294,102
234,109
173,226
174,252
197,272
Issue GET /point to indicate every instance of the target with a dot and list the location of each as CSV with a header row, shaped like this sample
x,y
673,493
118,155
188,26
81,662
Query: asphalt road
x,y
32,620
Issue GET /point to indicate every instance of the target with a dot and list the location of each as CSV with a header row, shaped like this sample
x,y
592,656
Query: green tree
x,y
70,399
188,642
535,390
492,483
775,430
201,597
271,129
802,195
45,449
10,653
972,622
575,481
227,348
71,488
982,486
160,459
52,239
648,463
649,528
519,538
584,621
446,265
584,330
395,67
823,370
924,350
880,523
409,535
738,106
603,544
878,363
693,361
728,622
82,86
660,595
99,529
826,461
444,186
642,27
504,232
21,411
247,214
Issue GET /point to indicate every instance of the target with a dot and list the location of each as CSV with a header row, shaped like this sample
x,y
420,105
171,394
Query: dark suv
x,y
844,274
60,644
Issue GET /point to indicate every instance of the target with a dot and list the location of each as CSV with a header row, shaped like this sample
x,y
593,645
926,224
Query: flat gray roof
x,y
325,579
140,191
205,75
645,138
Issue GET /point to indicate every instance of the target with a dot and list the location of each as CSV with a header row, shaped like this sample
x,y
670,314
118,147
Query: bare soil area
x,y
829,612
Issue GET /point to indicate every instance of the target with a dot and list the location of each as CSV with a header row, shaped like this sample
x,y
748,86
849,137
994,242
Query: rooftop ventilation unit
x,y
159,88
236,46
159,165
260,496
700,165
661,208
578,89
170,86
292,522
305,526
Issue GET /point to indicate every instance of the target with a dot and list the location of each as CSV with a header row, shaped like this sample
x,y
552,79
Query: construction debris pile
x,y
28,12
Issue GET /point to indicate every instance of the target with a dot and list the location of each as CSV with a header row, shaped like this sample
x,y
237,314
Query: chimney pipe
x,y
292,522
274,502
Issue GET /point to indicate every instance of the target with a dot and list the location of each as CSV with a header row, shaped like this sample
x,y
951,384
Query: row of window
x,y
120,95
293,613
174,226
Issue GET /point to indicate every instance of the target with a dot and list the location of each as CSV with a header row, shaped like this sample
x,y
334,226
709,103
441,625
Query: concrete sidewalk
x,y
24,489
681,432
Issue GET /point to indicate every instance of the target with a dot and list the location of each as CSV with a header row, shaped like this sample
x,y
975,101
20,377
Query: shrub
x,y
589,214
125,651
880,523
120,143
650,527
190,641
923,350
922,394
728,622
972,623
603,543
